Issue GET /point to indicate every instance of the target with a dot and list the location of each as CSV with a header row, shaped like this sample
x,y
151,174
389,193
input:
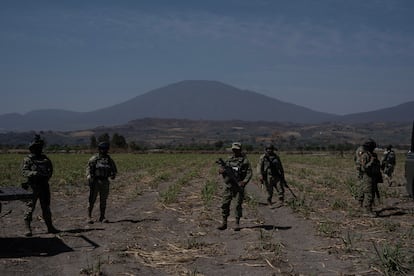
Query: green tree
x,y
104,137
119,141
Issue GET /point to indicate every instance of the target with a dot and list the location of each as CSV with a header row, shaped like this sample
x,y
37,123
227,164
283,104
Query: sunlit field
x,y
323,183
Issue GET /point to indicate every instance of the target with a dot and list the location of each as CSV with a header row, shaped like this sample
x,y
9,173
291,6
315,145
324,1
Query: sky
x,y
335,56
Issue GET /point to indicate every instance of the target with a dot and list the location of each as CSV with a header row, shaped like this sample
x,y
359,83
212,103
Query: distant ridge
x,y
193,100
400,113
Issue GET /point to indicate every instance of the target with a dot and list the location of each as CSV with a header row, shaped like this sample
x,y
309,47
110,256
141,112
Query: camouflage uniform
x,y
272,174
357,160
371,176
38,169
235,188
100,167
388,163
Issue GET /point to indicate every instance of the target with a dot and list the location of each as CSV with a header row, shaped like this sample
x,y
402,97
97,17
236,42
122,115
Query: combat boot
x,y
50,228
223,225
102,216
28,232
369,213
269,201
237,227
90,219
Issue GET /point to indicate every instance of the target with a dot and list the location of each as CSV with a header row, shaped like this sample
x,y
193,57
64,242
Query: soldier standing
x,y
100,167
371,176
38,169
388,163
271,173
236,173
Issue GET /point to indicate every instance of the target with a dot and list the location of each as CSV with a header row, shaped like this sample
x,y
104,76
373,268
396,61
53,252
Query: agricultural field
x,y
163,211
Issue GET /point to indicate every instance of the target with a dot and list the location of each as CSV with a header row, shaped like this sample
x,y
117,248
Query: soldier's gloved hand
x,y
242,184
221,170
25,185
112,176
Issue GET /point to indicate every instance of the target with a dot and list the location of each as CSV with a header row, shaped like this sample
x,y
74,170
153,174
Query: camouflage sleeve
x,y
113,167
249,172
90,167
26,168
50,164
259,168
366,161
282,171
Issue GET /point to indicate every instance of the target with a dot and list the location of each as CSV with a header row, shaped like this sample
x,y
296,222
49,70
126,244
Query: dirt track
x,y
146,237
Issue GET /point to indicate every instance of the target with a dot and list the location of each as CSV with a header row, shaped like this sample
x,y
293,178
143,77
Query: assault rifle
x,y
228,171
290,190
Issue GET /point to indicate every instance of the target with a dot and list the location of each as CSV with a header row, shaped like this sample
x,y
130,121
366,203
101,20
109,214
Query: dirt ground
x,y
145,236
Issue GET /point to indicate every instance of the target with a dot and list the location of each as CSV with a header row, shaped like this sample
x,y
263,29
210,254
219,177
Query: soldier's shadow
x,y
19,247
268,227
392,211
133,220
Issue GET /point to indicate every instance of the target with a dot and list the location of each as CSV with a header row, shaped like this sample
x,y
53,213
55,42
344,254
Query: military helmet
x,y
370,145
389,147
103,146
37,142
270,147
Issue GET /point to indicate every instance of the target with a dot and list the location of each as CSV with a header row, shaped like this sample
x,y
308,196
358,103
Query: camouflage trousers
x,y
99,186
366,193
229,193
274,183
41,192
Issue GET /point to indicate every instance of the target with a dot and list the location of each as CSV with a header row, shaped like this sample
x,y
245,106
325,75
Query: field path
x,y
146,236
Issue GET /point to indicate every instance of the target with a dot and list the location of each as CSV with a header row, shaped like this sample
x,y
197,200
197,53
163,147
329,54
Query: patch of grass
x,y
209,191
339,204
327,228
170,196
391,259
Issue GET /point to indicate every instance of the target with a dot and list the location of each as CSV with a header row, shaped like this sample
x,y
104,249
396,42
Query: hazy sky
x,y
337,56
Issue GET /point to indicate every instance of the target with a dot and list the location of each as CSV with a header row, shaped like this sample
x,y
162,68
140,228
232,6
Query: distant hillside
x,y
154,133
400,113
193,100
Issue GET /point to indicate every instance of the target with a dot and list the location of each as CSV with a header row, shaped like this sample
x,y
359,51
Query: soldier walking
x,y
38,169
271,174
100,167
236,173
388,164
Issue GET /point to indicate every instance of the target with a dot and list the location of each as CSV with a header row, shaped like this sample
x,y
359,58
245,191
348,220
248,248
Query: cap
x,y
236,145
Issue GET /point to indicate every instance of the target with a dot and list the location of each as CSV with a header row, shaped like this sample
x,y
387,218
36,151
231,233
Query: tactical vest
x,y
102,167
236,164
41,165
390,158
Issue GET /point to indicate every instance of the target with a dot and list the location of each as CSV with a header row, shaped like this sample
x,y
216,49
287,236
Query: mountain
x,y
400,113
192,100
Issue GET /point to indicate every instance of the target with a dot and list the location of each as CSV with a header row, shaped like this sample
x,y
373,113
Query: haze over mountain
x,y
194,100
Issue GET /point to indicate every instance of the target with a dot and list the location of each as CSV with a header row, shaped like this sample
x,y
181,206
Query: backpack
x,y
274,165
390,158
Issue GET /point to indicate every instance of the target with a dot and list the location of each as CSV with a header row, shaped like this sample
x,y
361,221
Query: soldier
x,y
388,163
100,167
271,174
371,176
38,169
236,173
